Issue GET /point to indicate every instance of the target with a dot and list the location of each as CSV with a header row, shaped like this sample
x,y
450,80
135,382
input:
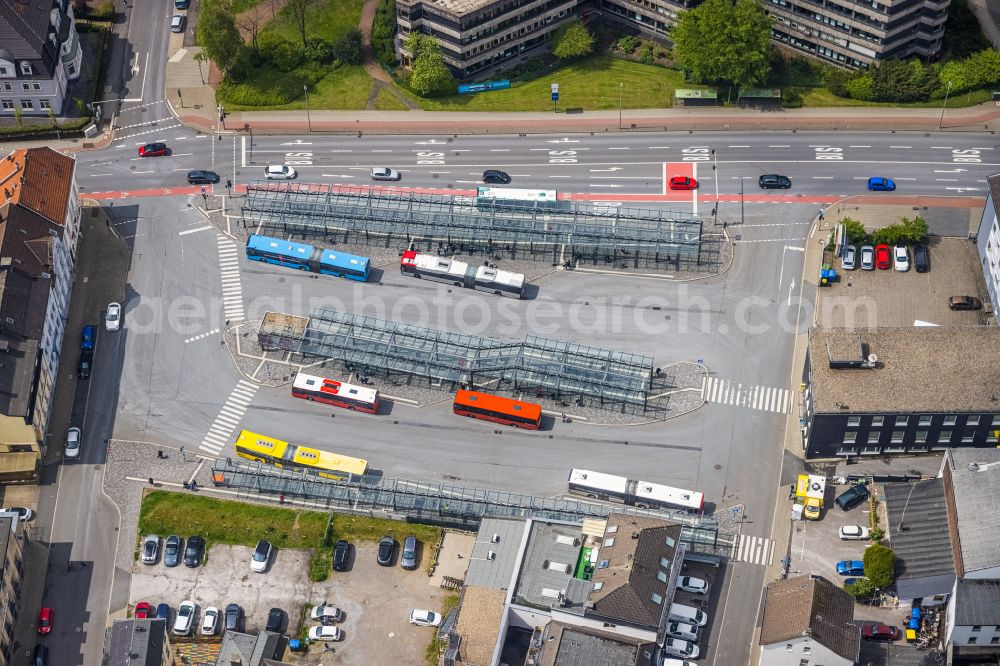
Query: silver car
x,y
867,258
849,258
279,172
385,173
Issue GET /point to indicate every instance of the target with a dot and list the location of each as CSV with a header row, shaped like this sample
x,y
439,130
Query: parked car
x,y
192,554
210,621
774,181
150,549
200,177
233,617
964,303
40,657
172,551
408,558
326,614
679,648
85,364
901,258
880,632
322,633
163,612
181,4
425,618
154,150
24,514
867,258
185,618
851,568
670,661
275,620
882,257
113,316
879,184
693,585
385,548
848,260
341,555
683,183
178,23
496,177
143,610
851,497
683,630
279,172
45,621
854,533
72,443
261,556
921,258
87,337
385,173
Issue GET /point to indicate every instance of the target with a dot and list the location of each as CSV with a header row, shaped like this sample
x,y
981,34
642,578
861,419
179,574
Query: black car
x,y
192,554
773,181
40,656
964,303
496,177
341,554
921,258
385,548
275,620
851,497
172,551
203,177
85,364
233,616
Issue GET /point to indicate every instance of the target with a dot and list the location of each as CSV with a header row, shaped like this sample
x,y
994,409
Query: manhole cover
x,y
717,467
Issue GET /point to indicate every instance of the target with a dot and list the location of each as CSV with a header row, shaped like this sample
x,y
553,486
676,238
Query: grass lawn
x,y
819,97
386,101
434,648
327,19
343,88
360,528
589,84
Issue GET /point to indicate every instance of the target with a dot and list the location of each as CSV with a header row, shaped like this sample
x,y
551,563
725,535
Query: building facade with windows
x,y
13,544
973,621
872,392
988,242
40,54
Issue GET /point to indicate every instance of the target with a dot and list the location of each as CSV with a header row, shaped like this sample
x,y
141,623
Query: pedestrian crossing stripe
x,y
762,398
232,288
220,432
753,550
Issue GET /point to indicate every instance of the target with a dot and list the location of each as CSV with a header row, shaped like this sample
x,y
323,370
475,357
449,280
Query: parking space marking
x,y
760,398
227,419
232,289
753,550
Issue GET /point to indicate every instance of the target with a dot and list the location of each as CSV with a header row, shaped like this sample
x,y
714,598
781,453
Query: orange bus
x,y
499,410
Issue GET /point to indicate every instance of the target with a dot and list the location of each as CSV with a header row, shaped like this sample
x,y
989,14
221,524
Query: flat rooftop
x,y
502,537
549,563
975,480
565,645
938,369
479,623
917,515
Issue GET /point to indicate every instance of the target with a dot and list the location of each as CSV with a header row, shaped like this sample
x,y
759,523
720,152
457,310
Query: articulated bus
x,y
644,494
307,257
498,410
338,394
461,274
283,455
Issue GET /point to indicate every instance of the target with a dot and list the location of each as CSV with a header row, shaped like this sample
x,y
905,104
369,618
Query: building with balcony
x,y
13,543
40,53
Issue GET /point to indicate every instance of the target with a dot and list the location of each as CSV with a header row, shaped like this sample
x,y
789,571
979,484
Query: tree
x,y
861,588
573,40
723,41
347,48
854,230
902,81
880,565
218,34
962,34
431,75
252,24
300,13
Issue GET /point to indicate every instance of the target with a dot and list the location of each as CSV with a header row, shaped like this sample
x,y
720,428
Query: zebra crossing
x,y
753,550
232,289
221,431
763,398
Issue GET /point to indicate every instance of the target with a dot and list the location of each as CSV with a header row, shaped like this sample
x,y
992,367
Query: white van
x,y
682,613
684,630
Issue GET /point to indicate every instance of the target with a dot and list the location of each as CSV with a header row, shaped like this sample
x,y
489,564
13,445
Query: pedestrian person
x,y
151,481
159,454
187,486
820,214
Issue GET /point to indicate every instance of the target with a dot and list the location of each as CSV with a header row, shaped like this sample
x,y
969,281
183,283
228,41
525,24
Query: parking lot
x,y
816,544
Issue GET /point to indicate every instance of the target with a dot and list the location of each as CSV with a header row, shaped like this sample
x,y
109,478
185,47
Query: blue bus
x,y
307,257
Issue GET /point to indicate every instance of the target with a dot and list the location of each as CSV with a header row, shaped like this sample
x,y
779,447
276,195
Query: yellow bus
x,y
284,455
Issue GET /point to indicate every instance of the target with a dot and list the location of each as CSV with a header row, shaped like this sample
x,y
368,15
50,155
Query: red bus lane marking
x,y
684,169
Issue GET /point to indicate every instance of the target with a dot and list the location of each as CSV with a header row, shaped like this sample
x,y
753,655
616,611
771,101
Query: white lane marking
x,y
194,231
739,146
221,430
781,145
859,146
203,335
901,147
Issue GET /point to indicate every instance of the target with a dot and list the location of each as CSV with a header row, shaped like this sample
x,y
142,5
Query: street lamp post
x,y
715,175
621,90
308,118
945,105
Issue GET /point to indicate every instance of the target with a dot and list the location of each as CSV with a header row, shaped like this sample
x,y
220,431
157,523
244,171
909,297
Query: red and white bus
x,y
338,394
494,408
461,274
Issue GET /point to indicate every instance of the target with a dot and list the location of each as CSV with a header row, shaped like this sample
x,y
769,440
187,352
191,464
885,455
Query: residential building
x,y
39,232
134,642
872,392
13,544
988,242
808,620
264,649
972,495
40,53
973,622
916,516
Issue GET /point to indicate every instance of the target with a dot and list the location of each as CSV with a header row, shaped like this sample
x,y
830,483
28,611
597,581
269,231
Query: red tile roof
x,y
40,179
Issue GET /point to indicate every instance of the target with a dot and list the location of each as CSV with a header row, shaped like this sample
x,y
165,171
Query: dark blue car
x,y
163,612
851,568
878,184
87,338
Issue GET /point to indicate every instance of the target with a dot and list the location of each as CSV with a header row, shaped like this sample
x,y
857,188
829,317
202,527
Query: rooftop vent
x,y
865,361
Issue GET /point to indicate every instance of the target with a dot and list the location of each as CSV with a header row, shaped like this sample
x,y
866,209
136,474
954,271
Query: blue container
x,y
294,645
914,624
915,613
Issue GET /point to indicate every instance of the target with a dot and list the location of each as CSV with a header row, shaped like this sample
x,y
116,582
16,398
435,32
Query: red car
x,y
683,183
153,150
883,261
44,621
143,610
880,632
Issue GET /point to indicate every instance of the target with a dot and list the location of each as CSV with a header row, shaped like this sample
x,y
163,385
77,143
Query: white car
x,y
693,585
854,533
901,258
150,549
323,633
72,443
185,618
261,556
670,661
113,317
675,647
688,632
385,173
23,513
326,614
210,621
279,172
425,618
848,260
